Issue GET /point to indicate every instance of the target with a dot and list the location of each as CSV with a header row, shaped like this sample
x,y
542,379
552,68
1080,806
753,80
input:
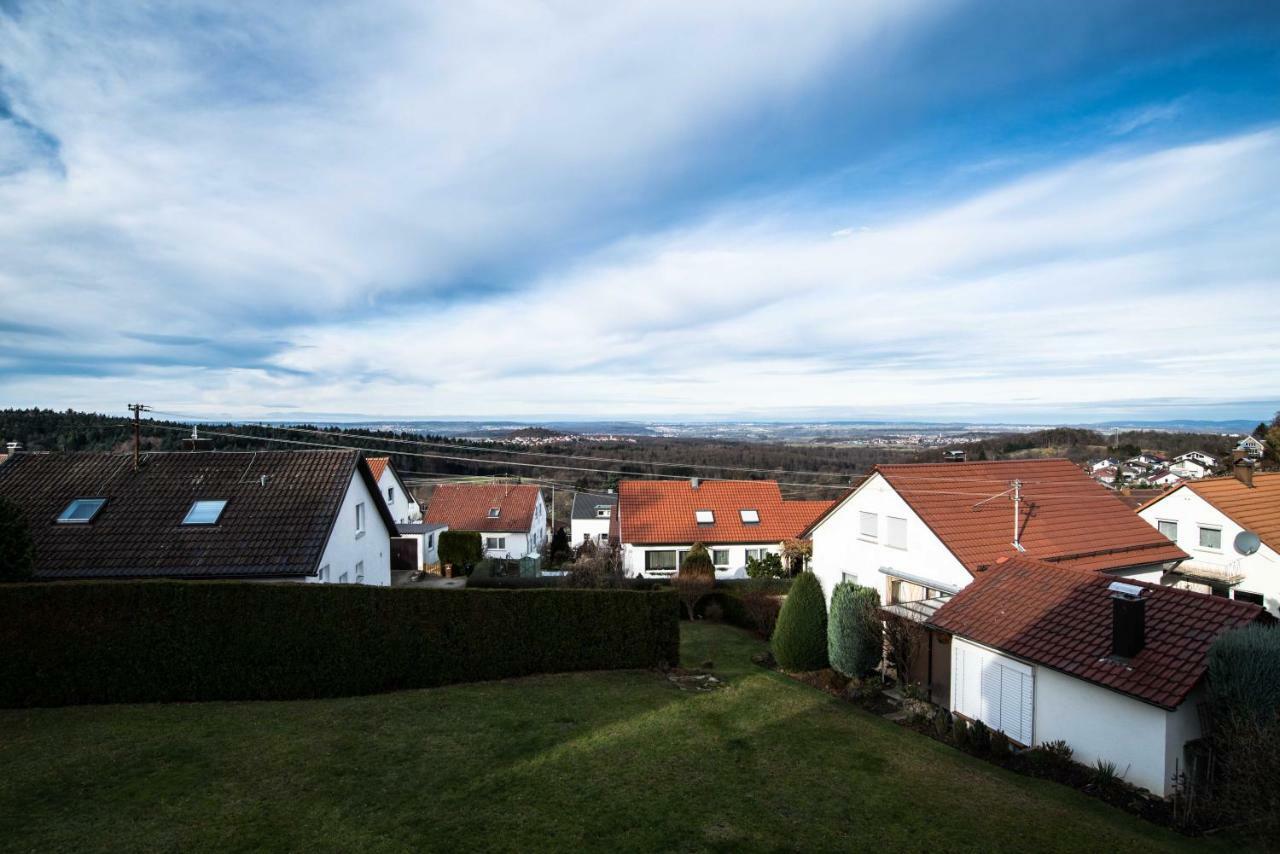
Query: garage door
x,y
993,689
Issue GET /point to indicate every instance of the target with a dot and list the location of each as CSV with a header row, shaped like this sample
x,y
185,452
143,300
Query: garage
x,y
994,689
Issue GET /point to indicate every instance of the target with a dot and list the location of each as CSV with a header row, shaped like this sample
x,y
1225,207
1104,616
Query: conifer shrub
x,y
980,738
1001,749
960,733
854,632
697,561
800,636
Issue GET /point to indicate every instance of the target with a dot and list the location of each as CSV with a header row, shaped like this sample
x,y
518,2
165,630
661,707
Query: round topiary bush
x,y
697,562
800,637
854,631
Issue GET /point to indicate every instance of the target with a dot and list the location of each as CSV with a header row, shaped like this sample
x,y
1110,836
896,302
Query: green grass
x,y
604,761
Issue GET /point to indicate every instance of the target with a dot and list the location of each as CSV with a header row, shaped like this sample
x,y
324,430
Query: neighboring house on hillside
x,y
1161,477
267,515
511,518
1113,668
1191,468
735,519
1252,447
1106,475
1147,459
920,533
1207,518
593,518
399,500
1109,463
1208,461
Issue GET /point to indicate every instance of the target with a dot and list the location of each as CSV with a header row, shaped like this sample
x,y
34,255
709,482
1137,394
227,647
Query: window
x,y
720,557
81,511
342,579
494,511
1242,596
868,524
360,572
756,554
895,532
324,573
604,538
204,513
602,511
704,517
665,561
431,541
495,543
750,517
360,518
849,577
1168,528
1210,538
391,495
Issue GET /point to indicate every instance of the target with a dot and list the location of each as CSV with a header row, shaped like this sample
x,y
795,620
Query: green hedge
x,y
164,641
463,549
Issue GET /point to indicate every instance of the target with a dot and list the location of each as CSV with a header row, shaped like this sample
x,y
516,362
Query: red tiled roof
x,y
1256,509
1061,619
1065,517
662,512
377,465
465,506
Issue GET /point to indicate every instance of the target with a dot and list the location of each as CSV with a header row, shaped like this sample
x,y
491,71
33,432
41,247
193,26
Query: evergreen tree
x,y
800,637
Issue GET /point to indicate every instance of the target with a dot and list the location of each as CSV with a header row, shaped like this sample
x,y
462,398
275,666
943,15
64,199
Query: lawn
x,y
604,761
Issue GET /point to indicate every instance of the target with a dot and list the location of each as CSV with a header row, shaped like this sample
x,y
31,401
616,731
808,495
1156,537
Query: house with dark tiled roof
x,y
594,518
399,500
312,516
1231,528
1114,668
510,517
659,521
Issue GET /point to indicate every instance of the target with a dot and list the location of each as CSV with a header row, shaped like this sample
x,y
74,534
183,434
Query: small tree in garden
x,y
768,565
854,639
696,578
800,637
17,550
795,553
559,552
697,561
901,637
462,549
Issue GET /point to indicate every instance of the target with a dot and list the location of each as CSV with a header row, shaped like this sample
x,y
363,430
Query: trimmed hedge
x,y
800,637
463,549
854,634
165,641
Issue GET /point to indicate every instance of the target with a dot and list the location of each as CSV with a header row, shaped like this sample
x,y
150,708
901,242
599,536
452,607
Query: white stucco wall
x,y
839,547
633,558
1261,570
347,546
521,543
402,506
595,528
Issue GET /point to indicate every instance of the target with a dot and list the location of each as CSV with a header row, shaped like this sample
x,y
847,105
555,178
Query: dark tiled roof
x,y
277,529
662,512
1066,517
585,503
1061,619
465,506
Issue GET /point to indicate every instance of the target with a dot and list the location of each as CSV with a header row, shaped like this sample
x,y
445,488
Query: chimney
x,y
1243,470
1128,619
13,447
694,483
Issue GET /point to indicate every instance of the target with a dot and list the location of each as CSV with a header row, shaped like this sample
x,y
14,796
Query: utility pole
x,y
137,409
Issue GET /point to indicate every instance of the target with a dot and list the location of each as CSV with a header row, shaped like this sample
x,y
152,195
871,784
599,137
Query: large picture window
x,y
664,561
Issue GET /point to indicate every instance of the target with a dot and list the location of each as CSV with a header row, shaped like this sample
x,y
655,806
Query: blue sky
x,y
936,210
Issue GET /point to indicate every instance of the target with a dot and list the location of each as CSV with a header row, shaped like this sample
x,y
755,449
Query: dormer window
x,y
81,511
704,517
602,511
750,517
493,512
205,513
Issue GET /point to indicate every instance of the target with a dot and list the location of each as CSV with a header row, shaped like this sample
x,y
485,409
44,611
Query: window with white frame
x,y
431,541
81,511
661,561
494,512
704,517
360,518
360,572
205,513
324,573
344,578
756,554
720,557
495,543
1210,537
1169,528
603,511
895,532
850,577
391,495
868,525
749,517
604,538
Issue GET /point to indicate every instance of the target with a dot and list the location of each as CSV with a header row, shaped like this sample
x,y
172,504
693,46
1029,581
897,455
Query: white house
x,y
659,521
511,518
400,502
593,518
1161,477
1045,653
1108,463
1252,447
1189,467
1208,461
1211,519
313,516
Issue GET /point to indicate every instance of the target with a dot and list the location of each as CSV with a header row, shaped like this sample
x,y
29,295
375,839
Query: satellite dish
x,y
1247,542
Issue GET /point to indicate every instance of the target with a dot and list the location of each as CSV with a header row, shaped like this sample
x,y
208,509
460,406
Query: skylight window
x,y
205,513
493,512
704,517
81,511
750,517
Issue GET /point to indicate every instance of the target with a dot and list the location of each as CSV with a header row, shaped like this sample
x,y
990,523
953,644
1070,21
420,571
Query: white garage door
x,y
993,689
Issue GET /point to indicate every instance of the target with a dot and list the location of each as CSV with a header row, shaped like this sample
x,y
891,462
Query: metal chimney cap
x,y
1127,591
